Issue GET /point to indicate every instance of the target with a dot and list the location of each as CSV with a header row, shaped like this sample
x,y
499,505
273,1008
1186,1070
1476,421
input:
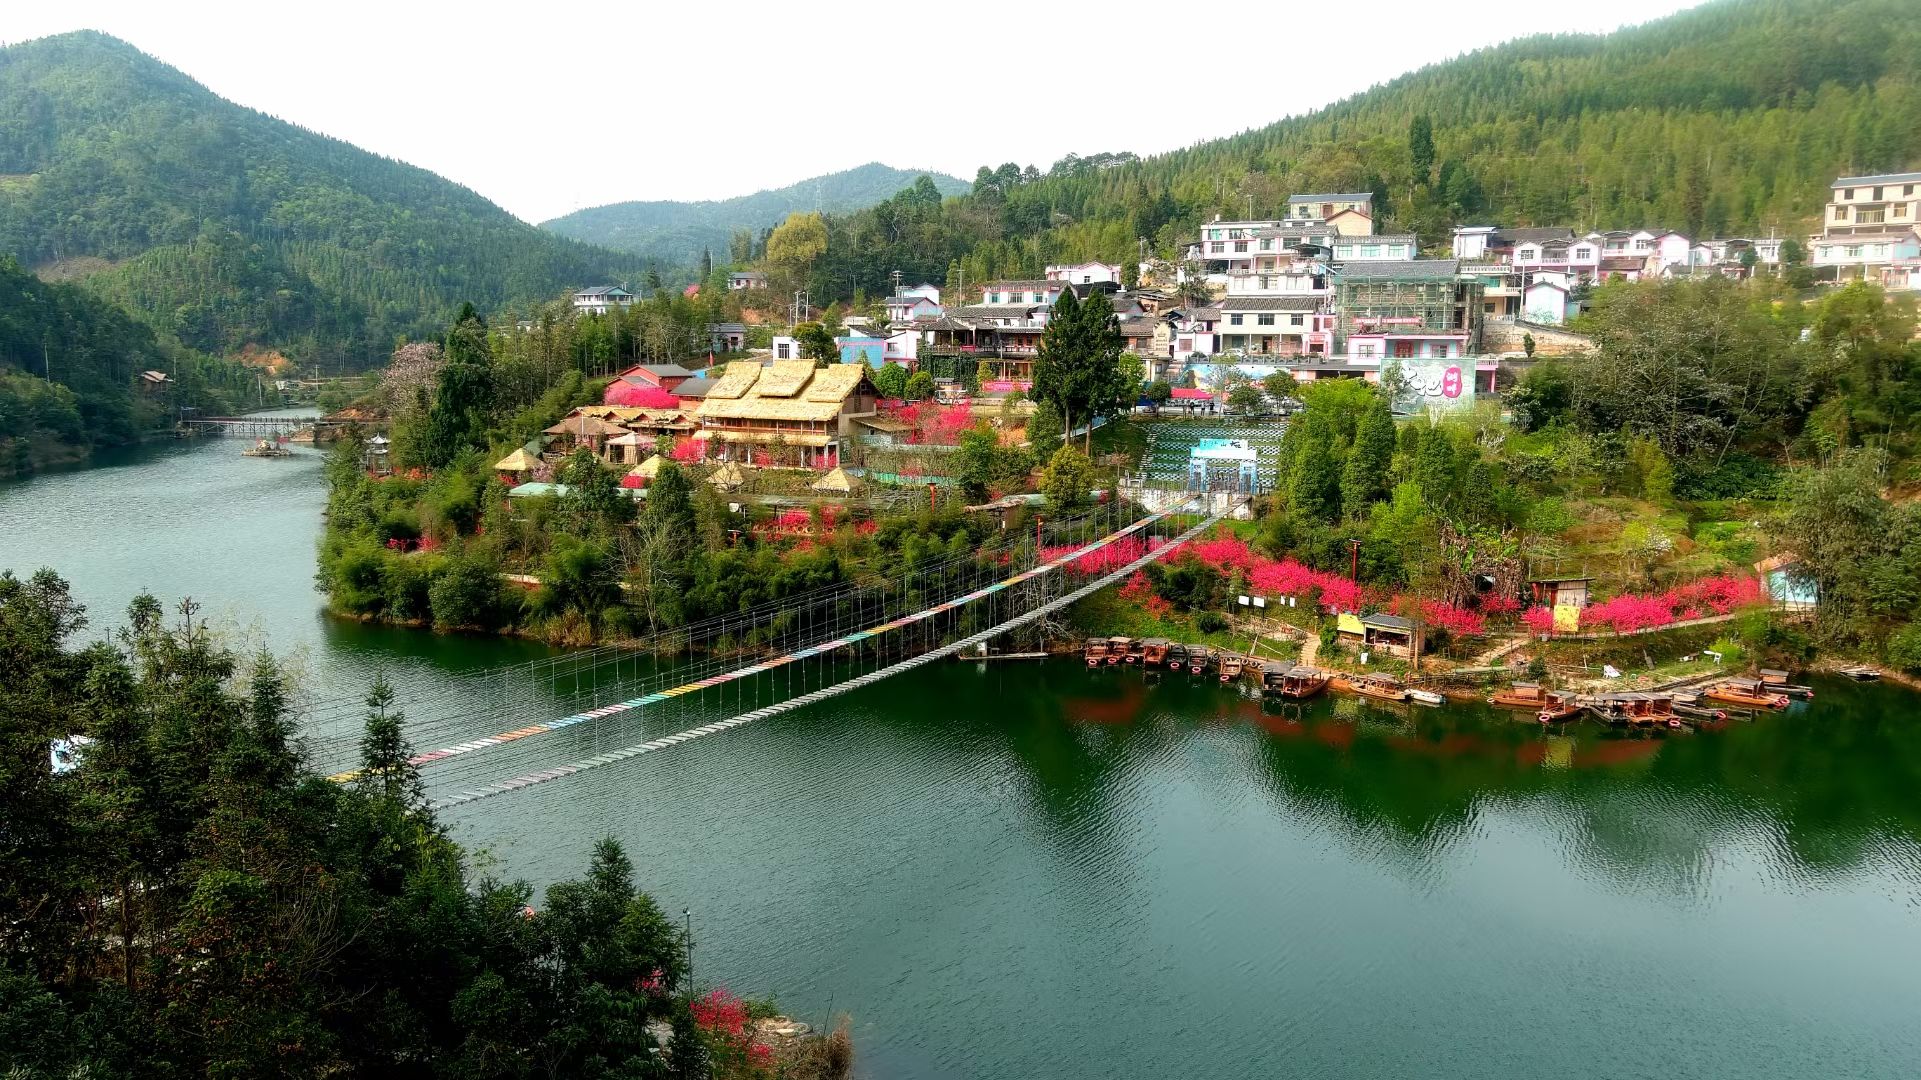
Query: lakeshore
x,y
965,848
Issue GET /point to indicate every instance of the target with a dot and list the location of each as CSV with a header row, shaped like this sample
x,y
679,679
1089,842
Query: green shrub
x,y
358,585
1211,622
465,593
1904,648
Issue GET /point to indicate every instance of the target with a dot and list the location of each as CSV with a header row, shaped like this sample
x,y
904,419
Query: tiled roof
x,y
1884,178
1399,270
1271,303
1141,327
1391,238
694,388
1535,236
1351,196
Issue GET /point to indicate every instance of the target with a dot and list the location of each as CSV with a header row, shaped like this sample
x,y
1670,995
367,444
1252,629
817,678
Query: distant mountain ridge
x,y
226,227
675,233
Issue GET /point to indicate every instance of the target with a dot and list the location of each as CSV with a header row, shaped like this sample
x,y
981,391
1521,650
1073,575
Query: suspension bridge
x,y
720,674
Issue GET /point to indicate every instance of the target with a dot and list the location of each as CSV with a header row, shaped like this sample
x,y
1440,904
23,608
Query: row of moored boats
x,y
1656,708
1295,682
1278,678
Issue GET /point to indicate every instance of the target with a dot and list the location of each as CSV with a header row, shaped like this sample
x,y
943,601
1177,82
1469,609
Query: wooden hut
x,y
834,482
584,430
727,477
520,464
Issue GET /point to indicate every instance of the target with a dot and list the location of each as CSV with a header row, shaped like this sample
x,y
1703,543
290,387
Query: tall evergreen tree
x,y
1365,477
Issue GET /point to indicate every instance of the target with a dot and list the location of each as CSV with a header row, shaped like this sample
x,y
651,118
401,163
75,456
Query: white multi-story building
x,y
1870,223
602,298
1396,248
1087,273
1350,213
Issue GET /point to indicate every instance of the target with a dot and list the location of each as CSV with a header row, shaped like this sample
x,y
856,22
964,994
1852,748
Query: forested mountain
x,y
70,374
1729,118
224,226
676,233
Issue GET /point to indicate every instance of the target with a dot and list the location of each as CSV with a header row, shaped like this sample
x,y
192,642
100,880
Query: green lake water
x,y
1032,870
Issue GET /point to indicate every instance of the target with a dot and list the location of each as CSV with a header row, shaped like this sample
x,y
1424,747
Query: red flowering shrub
x,y
1137,589
1538,620
631,396
1498,604
723,1022
689,451
1629,612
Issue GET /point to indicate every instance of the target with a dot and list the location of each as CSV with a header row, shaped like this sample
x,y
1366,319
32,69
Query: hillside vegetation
x,y
1729,118
226,227
678,233
69,374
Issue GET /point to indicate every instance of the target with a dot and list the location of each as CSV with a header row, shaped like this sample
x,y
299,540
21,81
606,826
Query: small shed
x,y
517,463
642,474
834,481
629,448
727,477
1560,591
537,490
1394,635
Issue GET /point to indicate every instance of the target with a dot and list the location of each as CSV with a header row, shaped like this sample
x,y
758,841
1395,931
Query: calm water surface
x,y
1036,871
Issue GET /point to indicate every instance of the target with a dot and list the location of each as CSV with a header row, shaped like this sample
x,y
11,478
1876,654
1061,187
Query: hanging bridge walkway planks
x,y
558,772
527,731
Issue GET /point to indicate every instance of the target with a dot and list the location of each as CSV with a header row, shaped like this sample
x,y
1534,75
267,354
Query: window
x,y
1583,254
1866,216
1264,320
1848,194
1852,251
1877,194
1526,254
1840,213
1240,246
1908,189
1235,319
1297,320
1901,209
1370,251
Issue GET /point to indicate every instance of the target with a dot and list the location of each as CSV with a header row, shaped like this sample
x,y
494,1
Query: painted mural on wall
x,y
1433,384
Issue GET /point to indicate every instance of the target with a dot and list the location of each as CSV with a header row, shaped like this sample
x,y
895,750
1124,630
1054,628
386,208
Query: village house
x,y
1399,248
657,376
1087,273
1350,214
1407,310
1872,205
876,347
740,280
728,337
1189,331
786,405
911,307
1902,275
1274,326
601,299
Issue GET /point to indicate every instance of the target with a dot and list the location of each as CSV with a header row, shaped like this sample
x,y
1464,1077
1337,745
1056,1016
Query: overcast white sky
x,y
550,107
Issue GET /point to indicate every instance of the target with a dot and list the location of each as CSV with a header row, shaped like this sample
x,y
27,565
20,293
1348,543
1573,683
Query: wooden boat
x,y
1231,666
1135,647
1378,687
1522,695
1749,693
1425,697
1154,651
1176,655
1862,673
1117,647
1298,683
263,448
1095,651
1558,705
1198,658
1776,681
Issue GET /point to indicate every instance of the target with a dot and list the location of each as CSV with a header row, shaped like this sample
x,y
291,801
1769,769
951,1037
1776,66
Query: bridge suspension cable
x,y
610,757
527,731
